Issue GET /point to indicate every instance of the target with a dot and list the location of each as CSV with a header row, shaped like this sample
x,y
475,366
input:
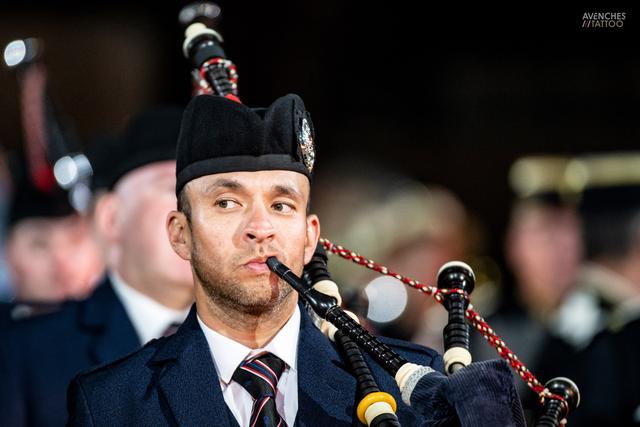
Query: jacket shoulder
x,y
123,384
121,369
44,325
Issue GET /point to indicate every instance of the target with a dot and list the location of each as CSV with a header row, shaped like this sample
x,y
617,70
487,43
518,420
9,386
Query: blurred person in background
x,y
411,228
145,294
50,252
607,370
610,206
542,315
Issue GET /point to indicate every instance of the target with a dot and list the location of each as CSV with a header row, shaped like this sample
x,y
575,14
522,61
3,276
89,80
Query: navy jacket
x,y
172,381
39,356
16,311
5,314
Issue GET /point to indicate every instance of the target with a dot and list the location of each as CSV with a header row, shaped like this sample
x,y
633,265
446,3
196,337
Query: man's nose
x,y
259,227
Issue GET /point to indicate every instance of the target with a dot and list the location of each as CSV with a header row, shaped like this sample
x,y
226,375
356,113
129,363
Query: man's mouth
x,y
258,265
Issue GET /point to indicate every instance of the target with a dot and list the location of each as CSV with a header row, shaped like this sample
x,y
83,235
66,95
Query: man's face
x,y
52,259
544,249
144,197
237,221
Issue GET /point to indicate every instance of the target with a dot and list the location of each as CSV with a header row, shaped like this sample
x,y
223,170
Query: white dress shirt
x,y
228,354
150,319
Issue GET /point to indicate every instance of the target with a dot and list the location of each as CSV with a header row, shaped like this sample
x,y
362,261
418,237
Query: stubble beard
x,y
228,293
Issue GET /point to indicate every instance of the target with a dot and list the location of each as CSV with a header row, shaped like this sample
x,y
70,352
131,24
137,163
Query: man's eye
x,y
283,207
226,204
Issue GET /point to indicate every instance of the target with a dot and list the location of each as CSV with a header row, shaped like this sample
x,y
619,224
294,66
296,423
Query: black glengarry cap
x,y
151,136
219,135
29,199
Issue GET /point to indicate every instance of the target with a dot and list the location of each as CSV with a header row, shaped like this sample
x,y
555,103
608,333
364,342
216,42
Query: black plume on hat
x,y
150,137
102,153
28,200
219,135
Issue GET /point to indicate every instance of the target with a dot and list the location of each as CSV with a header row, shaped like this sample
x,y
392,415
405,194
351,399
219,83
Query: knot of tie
x,y
259,376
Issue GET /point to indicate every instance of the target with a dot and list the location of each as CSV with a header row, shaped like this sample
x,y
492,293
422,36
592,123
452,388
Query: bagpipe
x,y
214,74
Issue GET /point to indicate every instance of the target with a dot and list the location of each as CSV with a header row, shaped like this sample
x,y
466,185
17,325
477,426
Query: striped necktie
x,y
259,376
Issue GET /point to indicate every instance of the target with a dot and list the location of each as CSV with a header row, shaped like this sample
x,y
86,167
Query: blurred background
x,y
451,96
420,115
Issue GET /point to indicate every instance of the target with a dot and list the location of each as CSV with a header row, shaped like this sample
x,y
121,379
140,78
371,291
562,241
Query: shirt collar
x,y
228,354
150,319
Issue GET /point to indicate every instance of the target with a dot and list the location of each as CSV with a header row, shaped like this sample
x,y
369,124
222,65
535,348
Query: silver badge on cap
x,y
305,138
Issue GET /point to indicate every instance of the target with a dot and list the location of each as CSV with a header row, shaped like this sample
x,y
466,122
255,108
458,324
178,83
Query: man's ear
x,y
106,218
313,234
179,233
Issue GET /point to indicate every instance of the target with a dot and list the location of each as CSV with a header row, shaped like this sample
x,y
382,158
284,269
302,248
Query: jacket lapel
x,y
103,317
326,389
188,381
190,387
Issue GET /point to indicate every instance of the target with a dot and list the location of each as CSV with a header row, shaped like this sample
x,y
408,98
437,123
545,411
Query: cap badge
x,y
305,139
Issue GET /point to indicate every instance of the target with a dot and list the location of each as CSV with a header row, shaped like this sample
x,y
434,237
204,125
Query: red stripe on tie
x,y
257,413
259,374
264,365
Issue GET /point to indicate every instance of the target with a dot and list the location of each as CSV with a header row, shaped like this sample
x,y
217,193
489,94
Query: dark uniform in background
x,y
541,315
607,370
30,201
